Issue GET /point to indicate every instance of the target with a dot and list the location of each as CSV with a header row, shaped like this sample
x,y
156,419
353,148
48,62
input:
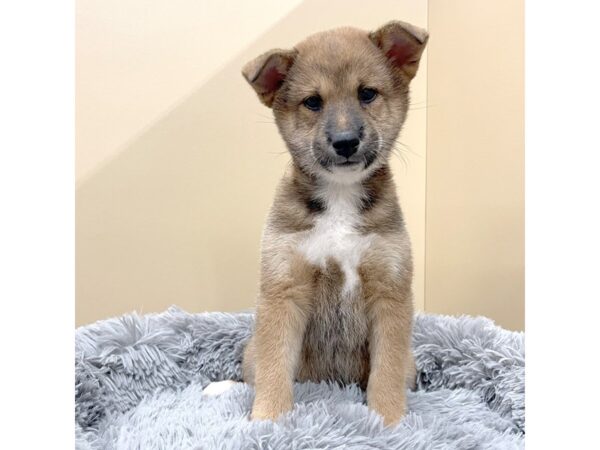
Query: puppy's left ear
x,y
267,73
403,45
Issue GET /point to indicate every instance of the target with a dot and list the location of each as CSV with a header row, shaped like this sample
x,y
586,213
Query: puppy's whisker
x,y
402,147
364,157
264,116
277,153
396,149
401,157
409,149
378,141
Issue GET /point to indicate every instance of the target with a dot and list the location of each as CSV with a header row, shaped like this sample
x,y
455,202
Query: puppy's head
x,y
340,97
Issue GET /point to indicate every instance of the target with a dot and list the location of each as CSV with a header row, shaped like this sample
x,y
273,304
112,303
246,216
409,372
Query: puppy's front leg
x,y
390,317
280,325
278,339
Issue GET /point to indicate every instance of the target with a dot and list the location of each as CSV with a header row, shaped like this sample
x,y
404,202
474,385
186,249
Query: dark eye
x,y
314,102
366,95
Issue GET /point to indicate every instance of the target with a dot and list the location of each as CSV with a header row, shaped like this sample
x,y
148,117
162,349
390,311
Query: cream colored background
x,y
177,160
475,160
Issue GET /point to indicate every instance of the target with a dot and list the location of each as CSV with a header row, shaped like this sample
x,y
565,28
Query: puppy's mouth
x,y
362,162
329,164
347,163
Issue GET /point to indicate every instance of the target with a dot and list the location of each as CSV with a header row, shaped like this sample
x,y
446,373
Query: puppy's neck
x,y
340,198
302,199
320,193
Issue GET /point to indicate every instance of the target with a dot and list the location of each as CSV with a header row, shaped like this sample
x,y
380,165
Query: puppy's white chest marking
x,y
335,234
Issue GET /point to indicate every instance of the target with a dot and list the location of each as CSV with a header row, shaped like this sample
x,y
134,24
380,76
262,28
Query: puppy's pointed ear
x,y
267,73
403,45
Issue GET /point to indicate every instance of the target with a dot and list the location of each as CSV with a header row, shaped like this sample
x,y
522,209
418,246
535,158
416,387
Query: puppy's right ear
x,y
267,73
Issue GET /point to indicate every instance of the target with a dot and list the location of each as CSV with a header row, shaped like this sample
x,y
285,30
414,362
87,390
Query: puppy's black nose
x,y
345,144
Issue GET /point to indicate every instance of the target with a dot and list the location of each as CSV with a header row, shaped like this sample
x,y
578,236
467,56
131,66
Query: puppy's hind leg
x,y
219,387
411,372
248,362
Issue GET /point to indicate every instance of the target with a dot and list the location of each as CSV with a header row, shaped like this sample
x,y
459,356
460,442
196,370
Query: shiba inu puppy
x,y
335,299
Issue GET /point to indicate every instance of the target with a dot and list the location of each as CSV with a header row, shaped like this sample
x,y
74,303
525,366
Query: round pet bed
x,y
139,382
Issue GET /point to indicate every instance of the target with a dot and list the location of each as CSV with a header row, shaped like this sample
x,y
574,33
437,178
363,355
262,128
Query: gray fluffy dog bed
x,y
139,382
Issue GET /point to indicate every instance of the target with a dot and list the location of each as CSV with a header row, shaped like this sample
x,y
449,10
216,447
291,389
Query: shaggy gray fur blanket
x,y
139,382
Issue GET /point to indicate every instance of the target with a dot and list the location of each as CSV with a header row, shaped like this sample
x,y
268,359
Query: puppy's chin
x,y
346,174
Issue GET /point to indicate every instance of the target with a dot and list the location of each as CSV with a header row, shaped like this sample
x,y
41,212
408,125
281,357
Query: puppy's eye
x,y
366,95
314,102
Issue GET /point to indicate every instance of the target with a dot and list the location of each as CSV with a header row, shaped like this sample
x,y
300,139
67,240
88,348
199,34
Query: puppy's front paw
x,y
266,414
259,414
392,419
391,416
264,410
391,407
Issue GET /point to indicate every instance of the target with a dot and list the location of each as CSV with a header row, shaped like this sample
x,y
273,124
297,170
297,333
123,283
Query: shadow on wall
x,y
176,216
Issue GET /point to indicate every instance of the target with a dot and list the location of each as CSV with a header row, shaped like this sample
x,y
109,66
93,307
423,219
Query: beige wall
x,y
475,160
177,160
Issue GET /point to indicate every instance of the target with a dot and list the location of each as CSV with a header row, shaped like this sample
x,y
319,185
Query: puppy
x,y
335,298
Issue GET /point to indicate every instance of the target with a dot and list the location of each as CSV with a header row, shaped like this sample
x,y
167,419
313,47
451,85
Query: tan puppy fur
x,y
335,298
